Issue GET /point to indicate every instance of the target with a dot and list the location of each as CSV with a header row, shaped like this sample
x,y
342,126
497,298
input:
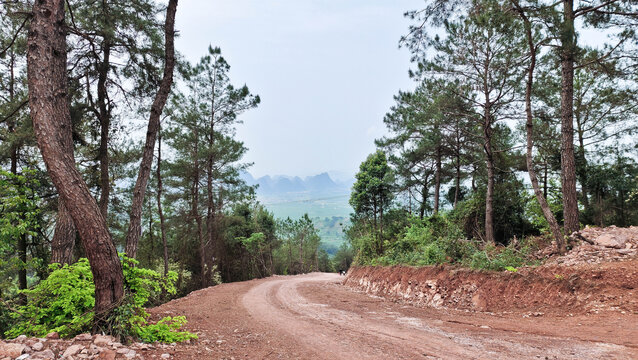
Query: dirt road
x,y
314,317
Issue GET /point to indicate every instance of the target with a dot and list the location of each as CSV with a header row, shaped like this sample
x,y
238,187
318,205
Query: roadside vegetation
x,y
517,134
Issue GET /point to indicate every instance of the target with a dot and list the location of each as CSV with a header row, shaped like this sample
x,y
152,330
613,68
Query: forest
x,y
121,169
86,198
520,131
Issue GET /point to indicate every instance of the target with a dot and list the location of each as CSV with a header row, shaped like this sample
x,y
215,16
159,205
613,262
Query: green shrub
x,y
499,259
165,330
64,301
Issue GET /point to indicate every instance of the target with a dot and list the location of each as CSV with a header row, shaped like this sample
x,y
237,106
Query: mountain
x,y
294,188
291,196
320,196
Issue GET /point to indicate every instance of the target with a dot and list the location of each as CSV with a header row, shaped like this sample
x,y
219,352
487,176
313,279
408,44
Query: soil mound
x,y
600,273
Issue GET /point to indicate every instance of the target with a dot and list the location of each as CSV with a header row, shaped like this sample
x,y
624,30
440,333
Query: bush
x,y
438,240
498,259
64,301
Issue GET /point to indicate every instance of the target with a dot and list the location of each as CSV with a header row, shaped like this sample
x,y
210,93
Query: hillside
x,y
323,198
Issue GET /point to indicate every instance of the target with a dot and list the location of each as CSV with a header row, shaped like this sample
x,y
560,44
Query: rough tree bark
x,y
549,216
568,161
48,101
63,240
135,225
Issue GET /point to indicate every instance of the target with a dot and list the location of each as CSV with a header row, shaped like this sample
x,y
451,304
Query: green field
x,y
329,214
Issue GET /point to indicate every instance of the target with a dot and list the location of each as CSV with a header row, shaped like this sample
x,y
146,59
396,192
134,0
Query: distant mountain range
x,y
324,199
282,187
292,196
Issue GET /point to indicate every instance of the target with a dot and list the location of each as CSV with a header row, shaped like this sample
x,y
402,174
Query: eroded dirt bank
x,y
584,288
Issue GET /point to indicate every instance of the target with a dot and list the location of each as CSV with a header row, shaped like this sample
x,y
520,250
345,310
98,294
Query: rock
x,y
38,346
83,337
479,302
53,335
627,251
131,354
102,340
122,351
72,350
107,355
43,355
165,356
116,345
23,357
11,350
611,241
20,339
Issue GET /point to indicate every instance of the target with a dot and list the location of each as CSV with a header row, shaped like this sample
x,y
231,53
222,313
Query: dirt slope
x,y
315,317
582,288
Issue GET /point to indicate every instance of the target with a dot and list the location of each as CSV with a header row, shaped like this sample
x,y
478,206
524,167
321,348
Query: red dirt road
x,y
315,317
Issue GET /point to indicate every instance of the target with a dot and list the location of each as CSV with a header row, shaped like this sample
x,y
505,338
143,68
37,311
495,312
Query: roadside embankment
x,y
586,288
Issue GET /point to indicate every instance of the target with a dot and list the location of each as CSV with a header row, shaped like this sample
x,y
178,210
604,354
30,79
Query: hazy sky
x,y
326,71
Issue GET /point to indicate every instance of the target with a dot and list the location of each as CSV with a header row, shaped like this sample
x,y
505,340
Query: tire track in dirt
x,y
335,331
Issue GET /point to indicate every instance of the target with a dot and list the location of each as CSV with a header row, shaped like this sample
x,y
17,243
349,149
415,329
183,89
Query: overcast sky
x,y
326,71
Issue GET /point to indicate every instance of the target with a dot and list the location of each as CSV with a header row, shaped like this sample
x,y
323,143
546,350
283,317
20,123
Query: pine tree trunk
x,y
489,160
49,104
549,216
135,225
437,180
159,199
582,173
195,208
457,182
568,161
489,197
105,123
63,241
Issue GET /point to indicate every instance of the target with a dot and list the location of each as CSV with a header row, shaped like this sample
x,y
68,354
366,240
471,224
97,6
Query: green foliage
x,y
64,301
534,212
498,259
19,207
21,217
165,330
439,240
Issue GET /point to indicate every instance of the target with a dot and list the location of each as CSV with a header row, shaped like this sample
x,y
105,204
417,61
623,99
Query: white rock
x,y
611,241
11,350
83,337
165,356
44,355
20,339
102,340
72,350
38,346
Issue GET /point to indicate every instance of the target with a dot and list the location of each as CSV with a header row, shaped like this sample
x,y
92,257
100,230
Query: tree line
x,y
76,182
504,88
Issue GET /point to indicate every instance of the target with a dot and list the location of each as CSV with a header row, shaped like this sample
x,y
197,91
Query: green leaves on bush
x,y
64,301
164,330
438,240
